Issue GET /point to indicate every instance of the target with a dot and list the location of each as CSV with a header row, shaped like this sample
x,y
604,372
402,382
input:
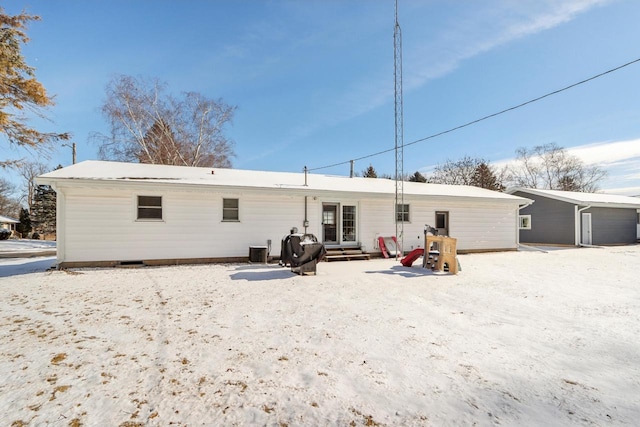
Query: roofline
x,y
62,183
8,220
592,204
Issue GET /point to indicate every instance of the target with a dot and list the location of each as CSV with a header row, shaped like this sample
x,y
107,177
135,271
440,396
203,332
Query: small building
x,y
574,218
7,223
110,213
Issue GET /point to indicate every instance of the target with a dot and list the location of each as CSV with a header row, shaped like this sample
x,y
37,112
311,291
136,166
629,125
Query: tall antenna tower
x,y
399,140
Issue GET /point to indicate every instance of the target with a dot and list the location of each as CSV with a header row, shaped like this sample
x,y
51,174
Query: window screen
x,y
230,210
149,207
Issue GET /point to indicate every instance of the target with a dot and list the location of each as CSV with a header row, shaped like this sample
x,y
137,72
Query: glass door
x,y
330,222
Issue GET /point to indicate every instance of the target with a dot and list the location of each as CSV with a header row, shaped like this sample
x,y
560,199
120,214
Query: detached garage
x,y
574,218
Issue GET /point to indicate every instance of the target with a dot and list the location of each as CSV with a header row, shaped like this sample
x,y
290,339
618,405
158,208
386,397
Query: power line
x,y
515,107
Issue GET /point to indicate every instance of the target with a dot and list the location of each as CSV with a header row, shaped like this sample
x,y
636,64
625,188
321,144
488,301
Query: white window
x,y
349,223
230,210
525,222
150,207
402,213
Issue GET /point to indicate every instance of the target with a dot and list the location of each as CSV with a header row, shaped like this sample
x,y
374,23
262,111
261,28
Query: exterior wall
x,y
99,224
477,226
376,220
613,226
552,221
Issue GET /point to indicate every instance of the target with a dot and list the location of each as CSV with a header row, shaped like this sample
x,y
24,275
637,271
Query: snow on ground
x,y
16,247
517,338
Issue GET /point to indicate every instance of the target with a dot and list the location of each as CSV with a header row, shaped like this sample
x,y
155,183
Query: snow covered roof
x,y
583,199
93,170
7,220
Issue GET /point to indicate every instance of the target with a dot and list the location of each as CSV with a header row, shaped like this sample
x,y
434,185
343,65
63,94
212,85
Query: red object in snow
x,y
383,247
412,256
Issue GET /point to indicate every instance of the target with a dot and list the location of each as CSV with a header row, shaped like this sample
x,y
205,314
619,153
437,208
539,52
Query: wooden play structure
x,y
440,254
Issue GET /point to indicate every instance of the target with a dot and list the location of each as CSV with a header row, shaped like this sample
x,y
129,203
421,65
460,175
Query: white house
x,y
7,223
112,213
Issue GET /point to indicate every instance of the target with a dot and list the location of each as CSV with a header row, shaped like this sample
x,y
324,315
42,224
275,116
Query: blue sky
x,y
313,80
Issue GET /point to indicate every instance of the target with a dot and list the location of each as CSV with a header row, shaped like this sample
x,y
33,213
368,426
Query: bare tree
x,y
29,171
551,167
160,143
472,171
9,205
458,172
151,126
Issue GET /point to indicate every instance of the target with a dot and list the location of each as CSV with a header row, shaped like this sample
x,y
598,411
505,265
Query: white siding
x,y
479,226
99,224
376,219
476,225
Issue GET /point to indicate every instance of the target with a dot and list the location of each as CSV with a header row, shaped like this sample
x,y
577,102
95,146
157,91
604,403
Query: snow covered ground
x,y
26,247
518,338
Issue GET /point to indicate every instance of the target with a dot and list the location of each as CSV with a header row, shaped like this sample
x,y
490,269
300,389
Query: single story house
x,y
574,218
111,213
7,223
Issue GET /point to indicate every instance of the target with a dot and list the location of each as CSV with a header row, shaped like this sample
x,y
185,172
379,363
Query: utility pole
x,y
73,151
399,138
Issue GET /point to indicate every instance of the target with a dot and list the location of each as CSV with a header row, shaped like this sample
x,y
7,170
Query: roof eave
x,y
302,190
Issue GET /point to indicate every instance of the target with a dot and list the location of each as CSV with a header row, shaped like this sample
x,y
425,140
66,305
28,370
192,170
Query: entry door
x,y
330,222
586,229
442,223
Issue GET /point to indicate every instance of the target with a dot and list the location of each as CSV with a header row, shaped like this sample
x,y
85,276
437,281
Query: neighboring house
x,y
8,223
110,213
574,218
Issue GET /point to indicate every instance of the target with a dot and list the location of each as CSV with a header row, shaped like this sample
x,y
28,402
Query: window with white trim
x,y
349,223
402,213
230,210
150,208
525,222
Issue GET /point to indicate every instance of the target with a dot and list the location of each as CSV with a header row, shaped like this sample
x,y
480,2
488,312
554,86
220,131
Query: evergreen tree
x,y
43,212
417,177
19,89
370,172
484,177
24,227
